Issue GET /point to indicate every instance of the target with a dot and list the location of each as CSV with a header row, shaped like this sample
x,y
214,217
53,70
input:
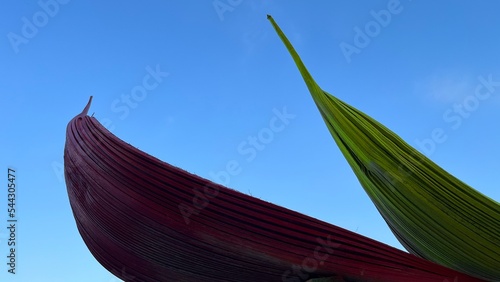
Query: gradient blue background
x,y
227,71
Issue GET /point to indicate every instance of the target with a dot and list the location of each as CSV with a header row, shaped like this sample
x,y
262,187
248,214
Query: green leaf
x,y
432,213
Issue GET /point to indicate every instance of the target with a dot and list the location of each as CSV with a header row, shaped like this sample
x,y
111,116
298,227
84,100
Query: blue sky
x,y
220,88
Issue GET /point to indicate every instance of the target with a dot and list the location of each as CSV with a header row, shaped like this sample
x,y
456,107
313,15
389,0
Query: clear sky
x,y
216,77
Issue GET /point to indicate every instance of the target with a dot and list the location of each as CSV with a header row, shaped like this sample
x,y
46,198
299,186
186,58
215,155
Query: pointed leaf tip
x,y
313,87
87,107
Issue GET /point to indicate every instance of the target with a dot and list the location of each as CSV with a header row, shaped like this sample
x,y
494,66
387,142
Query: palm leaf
x,y
432,213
